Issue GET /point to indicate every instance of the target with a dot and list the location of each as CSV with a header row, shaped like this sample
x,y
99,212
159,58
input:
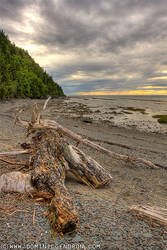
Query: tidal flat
x,y
128,111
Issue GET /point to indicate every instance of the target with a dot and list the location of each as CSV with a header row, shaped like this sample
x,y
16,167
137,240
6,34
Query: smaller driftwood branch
x,y
78,138
152,215
11,153
13,161
46,102
38,114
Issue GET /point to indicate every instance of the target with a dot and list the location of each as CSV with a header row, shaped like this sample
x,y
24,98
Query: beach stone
x,y
147,235
108,238
113,223
78,238
136,235
116,236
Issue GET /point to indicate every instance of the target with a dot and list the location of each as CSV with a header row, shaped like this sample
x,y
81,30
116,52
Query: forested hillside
x,y
20,76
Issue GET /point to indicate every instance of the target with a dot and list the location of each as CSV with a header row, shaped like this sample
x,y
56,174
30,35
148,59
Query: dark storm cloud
x,y
107,37
11,14
108,25
159,84
13,9
164,62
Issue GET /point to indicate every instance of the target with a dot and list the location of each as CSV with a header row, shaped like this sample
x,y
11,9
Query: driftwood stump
x,y
48,175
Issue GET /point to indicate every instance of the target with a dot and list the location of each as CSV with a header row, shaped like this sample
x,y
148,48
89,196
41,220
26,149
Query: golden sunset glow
x,y
157,78
129,92
162,72
153,87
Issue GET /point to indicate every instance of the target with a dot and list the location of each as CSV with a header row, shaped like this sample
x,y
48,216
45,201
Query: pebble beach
x,y
125,126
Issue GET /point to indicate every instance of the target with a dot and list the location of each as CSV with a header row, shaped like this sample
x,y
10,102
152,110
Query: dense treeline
x,y
20,76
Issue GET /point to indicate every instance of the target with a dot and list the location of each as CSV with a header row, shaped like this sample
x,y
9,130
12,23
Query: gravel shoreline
x,y
105,222
103,225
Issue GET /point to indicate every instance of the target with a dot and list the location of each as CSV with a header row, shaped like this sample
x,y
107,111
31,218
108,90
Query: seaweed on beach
x,y
161,118
136,109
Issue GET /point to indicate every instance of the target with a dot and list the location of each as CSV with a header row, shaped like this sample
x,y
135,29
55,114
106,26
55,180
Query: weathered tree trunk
x,y
48,175
85,168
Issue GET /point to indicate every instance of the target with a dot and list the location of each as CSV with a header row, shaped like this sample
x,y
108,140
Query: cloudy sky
x,y
94,46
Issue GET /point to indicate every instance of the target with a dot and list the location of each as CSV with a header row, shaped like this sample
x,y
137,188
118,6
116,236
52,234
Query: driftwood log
x,y
85,168
152,215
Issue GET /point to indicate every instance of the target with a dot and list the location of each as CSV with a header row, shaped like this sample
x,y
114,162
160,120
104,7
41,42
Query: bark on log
x,y
152,215
48,175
